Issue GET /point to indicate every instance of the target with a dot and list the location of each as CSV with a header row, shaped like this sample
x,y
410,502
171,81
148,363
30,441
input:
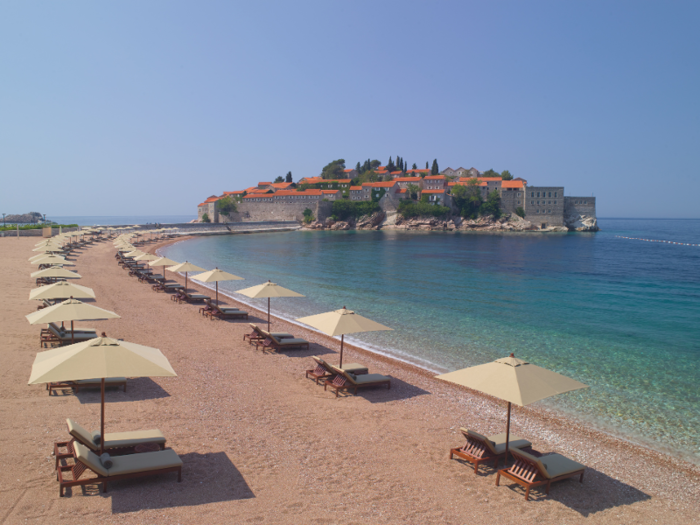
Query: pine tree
x,y
289,177
357,168
426,164
390,165
414,166
434,170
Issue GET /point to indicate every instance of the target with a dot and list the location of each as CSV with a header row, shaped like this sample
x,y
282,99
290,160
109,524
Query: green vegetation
x,y
467,199
434,170
308,216
492,206
205,218
410,210
288,178
368,165
413,190
378,194
333,170
227,205
505,174
278,180
520,212
36,226
344,210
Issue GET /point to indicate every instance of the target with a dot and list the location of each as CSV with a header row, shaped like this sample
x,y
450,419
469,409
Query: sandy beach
x,y
262,444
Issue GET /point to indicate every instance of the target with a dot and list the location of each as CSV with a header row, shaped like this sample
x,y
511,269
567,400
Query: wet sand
x,y
262,444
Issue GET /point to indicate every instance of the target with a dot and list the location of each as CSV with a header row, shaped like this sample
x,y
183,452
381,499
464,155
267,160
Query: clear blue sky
x,y
149,107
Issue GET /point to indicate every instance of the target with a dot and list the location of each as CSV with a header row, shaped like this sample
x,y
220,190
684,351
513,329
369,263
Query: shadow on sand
x,y
206,478
597,492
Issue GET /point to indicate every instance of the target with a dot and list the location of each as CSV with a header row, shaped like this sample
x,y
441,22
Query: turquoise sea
x,y
619,315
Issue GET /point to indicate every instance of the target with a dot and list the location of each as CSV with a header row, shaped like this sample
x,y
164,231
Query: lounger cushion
x,y
115,439
291,342
499,441
106,461
130,464
552,465
355,368
370,378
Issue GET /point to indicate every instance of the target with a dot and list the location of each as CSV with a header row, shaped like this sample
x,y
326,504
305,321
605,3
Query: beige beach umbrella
x,y
37,257
146,257
513,380
268,290
163,261
133,254
62,290
70,310
55,272
100,357
52,259
341,322
186,267
214,276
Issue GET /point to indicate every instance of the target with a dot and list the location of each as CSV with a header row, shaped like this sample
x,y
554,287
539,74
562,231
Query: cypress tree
x,y
357,168
426,164
289,177
435,170
414,166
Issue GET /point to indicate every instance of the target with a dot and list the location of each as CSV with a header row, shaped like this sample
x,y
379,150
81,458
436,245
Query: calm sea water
x,y
114,220
619,315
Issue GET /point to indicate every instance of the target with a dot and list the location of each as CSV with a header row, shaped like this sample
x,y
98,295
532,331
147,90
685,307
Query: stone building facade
x,y
544,205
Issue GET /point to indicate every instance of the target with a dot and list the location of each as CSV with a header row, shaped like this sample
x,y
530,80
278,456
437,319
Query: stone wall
x,y
544,205
579,206
278,211
512,200
38,232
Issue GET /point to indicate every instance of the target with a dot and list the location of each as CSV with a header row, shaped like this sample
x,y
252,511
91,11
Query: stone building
x,y
544,205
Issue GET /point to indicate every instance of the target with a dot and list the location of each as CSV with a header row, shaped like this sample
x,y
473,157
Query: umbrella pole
x,y
217,292
342,340
268,314
72,333
185,282
102,420
507,434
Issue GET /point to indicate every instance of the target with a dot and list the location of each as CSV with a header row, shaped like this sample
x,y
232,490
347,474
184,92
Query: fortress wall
x,y
512,200
546,206
574,206
278,211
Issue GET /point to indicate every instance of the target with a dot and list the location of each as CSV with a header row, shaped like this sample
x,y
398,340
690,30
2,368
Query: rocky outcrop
x,y
372,222
581,223
25,218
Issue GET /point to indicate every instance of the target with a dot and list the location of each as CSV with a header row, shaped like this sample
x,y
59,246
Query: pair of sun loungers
x,y
351,376
55,334
215,311
529,470
183,296
124,461
273,340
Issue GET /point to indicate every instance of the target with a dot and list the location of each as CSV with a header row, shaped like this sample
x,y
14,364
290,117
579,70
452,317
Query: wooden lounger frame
x,y
270,343
76,386
527,474
342,382
214,311
78,468
477,452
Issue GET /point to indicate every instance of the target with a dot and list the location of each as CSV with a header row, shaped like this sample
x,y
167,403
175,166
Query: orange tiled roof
x,y
200,204
349,170
433,191
234,192
260,196
396,172
355,188
402,190
211,199
435,177
330,191
264,183
282,185
489,179
388,184
381,171
512,184
285,193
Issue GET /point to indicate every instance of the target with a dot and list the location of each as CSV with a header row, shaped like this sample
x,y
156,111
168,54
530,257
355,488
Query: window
x,y
532,202
537,211
555,194
555,202
584,202
550,194
533,194
538,193
538,203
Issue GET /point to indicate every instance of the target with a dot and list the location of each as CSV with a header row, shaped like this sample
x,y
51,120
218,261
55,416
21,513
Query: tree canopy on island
x,y
333,170
434,170
279,179
226,206
288,178
505,174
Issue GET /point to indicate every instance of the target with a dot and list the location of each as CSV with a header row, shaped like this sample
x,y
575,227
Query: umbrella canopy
x,y
134,253
62,290
268,290
100,357
214,276
52,259
341,322
146,257
70,310
186,267
163,261
56,273
513,380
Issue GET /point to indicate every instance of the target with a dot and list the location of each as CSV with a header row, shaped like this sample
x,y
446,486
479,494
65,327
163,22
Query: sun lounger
x,y
530,471
323,370
168,286
115,442
55,334
481,449
184,296
123,467
221,312
110,382
259,334
273,343
347,381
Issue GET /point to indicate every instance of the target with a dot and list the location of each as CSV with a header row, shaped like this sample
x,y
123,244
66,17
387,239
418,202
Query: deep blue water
x,y
619,315
113,220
